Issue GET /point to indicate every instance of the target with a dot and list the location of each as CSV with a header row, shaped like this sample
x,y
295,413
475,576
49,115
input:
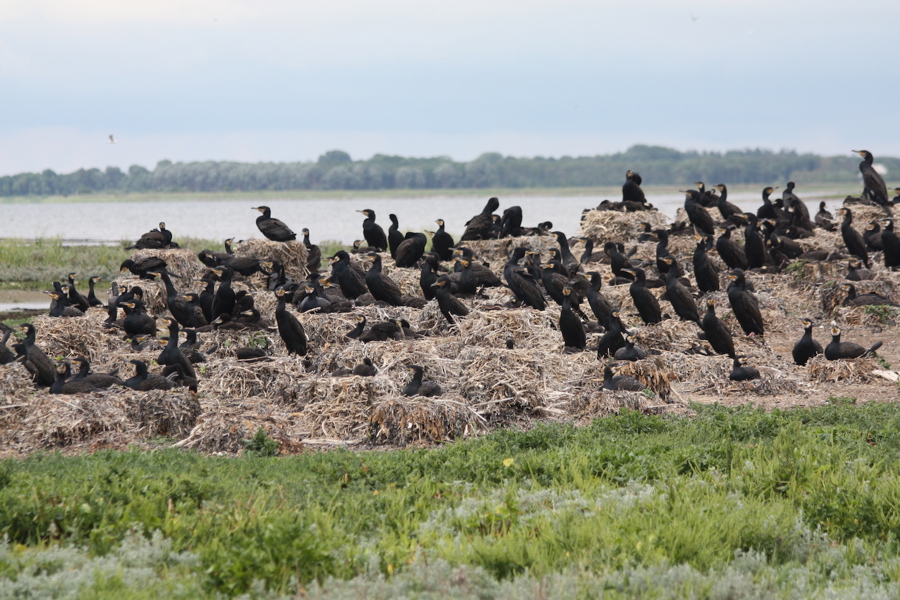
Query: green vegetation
x,y
336,170
735,503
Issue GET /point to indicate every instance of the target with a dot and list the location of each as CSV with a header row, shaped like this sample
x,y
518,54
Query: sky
x,y
287,80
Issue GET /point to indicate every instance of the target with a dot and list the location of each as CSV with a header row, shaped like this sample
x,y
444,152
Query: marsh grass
x,y
674,507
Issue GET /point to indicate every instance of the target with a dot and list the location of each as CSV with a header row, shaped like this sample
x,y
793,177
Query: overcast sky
x,y
286,80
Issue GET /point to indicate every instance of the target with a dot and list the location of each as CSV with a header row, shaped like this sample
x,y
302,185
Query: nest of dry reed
x,y
857,370
604,225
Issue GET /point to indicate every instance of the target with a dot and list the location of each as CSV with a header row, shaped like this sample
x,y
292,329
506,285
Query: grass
x,y
781,504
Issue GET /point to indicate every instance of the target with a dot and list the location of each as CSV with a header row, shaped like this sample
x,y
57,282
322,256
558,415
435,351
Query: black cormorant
x,y
824,219
680,298
744,304
705,271
357,331
155,239
768,210
442,242
631,189
350,277
373,232
43,373
171,355
872,236
570,324
92,295
313,253
870,299
806,347
646,303
100,380
418,387
852,239
890,245
729,211
754,244
143,268
449,304
144,381
873,184
273,229
395,238
224,298
410,250
136,320
836,349
741,372
521,283
600,305
511,222
731,253
289,327
479,226
381,286
366,369
614,382
63,385
630,351
613,339
718,336
697,215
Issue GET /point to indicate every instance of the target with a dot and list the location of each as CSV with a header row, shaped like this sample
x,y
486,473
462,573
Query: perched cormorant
x,y
381,286
768,210
63,385
890,245
450,305
410,250
395,238
754,244
313,253
872,236
366,369
618,261
718,336
613,339
570,324
856,272
145,267
631,189
730,251
511,222
77,299
43,373
357,331
224,298
852,239
806,347
144,381
600,305
349,276
100,380
521,283
873,184
442,242
418,387
289,327
171,355
824,219
273,229
372,232
155,239
705,271
630,352
680,298
479,226
213,259
870,299
646,303
92,295
614,382
741,372
697,215
836,349
136,320
744,304
729,211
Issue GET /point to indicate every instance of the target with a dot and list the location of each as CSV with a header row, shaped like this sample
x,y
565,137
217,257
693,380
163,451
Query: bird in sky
x,y
112,139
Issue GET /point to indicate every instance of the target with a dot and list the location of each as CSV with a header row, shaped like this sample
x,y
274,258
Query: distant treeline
x,y
336,170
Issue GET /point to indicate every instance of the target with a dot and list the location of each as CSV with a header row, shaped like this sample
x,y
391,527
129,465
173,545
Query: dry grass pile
x,y
277,379
404,421
54,421
228,428
171,413
670,335
698,372
858,370
182,262
292,255
497,252
606,403
78,336
606,225
654,372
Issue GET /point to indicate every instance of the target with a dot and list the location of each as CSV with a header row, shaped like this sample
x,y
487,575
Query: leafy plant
x,y
261,445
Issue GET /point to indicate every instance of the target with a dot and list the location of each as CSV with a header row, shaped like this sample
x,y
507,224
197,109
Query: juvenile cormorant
x,y
646,303
718,336
680,298
273,229
521,283
418,387
614,382
450,305
479,226
836,349
410,250
852,239
442,242
570,324
395,238
741,372
373,232
873,184
806,347
289,327
381,286
744,304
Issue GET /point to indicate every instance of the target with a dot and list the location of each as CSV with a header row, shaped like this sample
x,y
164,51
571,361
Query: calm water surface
x,y
331,219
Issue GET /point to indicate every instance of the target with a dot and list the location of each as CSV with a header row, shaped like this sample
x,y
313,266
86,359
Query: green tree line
x,y
336,170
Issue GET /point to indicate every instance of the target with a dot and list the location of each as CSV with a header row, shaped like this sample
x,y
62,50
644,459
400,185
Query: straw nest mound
x,y
498,367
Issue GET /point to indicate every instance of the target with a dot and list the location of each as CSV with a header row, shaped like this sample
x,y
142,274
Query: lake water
x,y
327,219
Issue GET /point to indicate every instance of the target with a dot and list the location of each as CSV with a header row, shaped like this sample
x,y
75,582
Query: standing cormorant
x,y
697,215
890,245
373,232
395,238
613,339
521,283
570,324
380,285
730,251
479,226
511,222
600,306
744,304
646,303
349,276
442,242
705,271
631,189
273,229
852,238
289,327
36,362
410,250
449,304
680,298
718,336
224,298
873,184
313,253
